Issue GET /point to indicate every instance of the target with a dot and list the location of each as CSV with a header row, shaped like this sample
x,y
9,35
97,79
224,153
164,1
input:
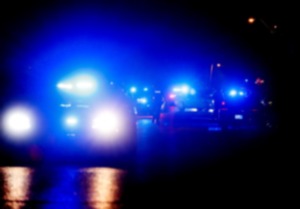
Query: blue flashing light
x,y
66,105
241,93
71,121
79,85
238,117
176,89
182,89
192,91
142,100
233,93
214,128
211,110
193,109
145,89
133,90
185,89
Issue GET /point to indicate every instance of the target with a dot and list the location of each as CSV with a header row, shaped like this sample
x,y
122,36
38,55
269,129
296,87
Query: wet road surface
x,y
189,168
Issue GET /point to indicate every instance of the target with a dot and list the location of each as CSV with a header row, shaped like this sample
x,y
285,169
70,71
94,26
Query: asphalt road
x,y
187,168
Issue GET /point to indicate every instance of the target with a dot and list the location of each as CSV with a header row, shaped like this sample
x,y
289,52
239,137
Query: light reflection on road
x,y
96,187
16,183
102,187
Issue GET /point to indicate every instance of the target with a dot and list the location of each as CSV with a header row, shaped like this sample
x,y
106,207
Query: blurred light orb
x,y
251,20
133,89
71,121
18,122
233,93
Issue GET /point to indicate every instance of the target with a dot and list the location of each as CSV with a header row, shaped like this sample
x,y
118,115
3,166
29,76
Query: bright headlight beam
x,y
65,86
107,123
182,89
84,85
71,121
18,122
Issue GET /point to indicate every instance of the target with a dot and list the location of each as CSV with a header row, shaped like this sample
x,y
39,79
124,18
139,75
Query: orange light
x,y
251,20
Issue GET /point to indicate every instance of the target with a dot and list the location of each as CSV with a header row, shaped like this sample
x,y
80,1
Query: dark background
x,y
195,32
192,34
187,31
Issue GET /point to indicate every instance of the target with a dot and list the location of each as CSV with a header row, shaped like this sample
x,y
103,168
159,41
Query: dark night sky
x,y
158,36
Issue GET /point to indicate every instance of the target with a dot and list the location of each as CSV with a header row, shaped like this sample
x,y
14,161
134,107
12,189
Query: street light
x,y
212,66
271,29
251,20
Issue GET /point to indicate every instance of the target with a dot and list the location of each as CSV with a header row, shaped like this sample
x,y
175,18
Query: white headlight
x,y
210,110
84,85
65,86
18,122
71,121
238,117
108,123
80,85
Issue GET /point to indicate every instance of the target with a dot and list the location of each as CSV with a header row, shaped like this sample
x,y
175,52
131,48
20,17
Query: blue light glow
x,y
142,100
233,93
79,84
192,91
65,86
133,90
108,123
238,117
241,93
176,89
183,89
193,109
71,121
68,105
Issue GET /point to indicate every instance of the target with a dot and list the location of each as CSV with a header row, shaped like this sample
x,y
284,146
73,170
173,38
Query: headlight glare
x,y
108,123
71,121
18,122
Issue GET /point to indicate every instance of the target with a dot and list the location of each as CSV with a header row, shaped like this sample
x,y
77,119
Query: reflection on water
x,y
16,183
103,187
93,188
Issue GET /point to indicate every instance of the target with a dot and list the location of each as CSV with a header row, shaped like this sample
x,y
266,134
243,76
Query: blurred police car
x,y
185,108
85,119
239,109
